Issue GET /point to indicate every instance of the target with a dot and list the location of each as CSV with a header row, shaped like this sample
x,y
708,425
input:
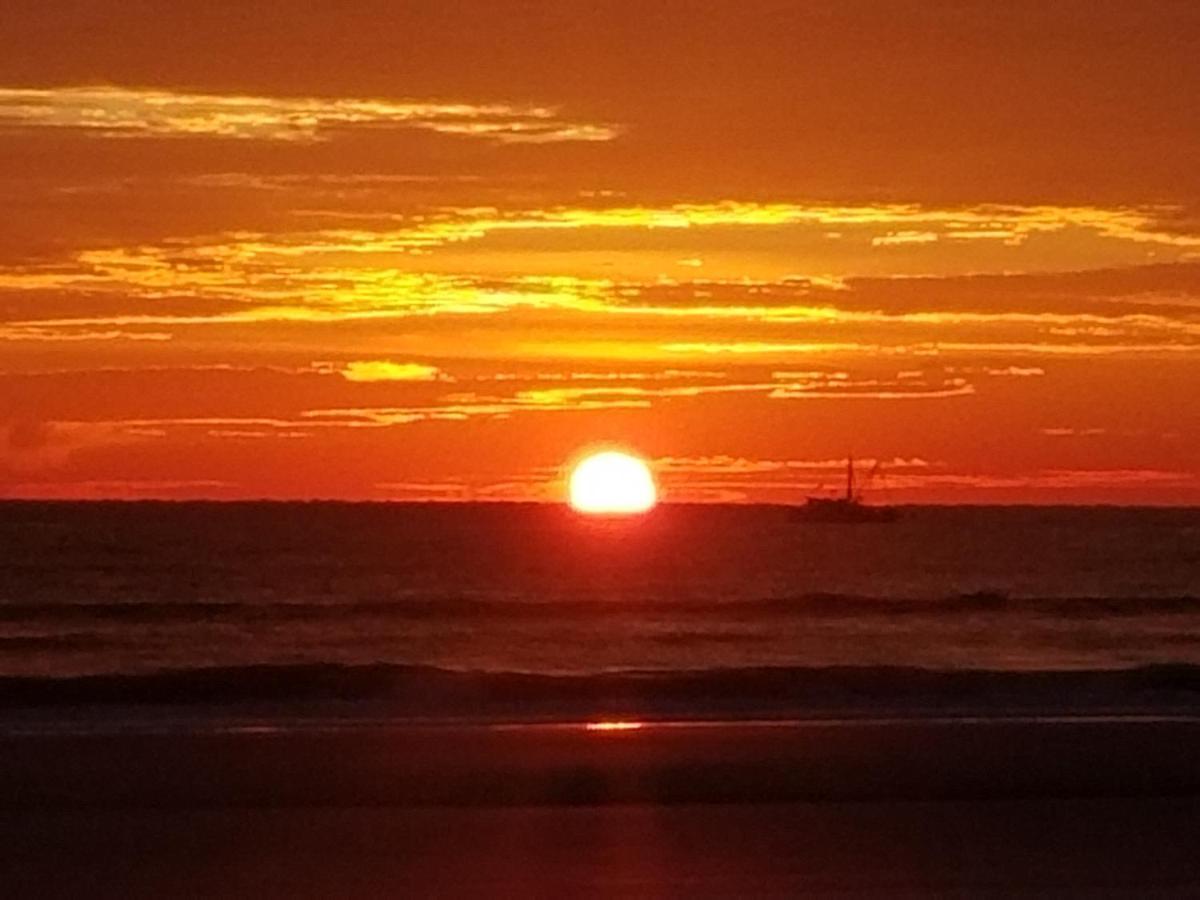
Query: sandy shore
x,y
1015,807
347,764
1134,847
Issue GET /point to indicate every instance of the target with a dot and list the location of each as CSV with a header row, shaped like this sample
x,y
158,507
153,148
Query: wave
x,y
457,606
432,692
27,643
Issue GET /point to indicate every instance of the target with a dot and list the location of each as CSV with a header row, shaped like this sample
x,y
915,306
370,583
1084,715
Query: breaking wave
x,y
432,692
448,607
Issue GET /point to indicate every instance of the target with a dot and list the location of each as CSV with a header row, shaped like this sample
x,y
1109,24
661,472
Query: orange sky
x,y
432,250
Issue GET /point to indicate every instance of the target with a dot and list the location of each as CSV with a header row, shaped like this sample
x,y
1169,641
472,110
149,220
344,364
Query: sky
x,y
410,251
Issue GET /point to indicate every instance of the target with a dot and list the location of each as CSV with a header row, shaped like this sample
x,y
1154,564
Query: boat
x,y
848,508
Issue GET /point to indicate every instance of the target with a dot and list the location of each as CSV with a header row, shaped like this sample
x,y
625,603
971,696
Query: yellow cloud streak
x,y
291,274
929,348
467,406
915,222
737,465
383,370
287,278
120,112
399,295
272,266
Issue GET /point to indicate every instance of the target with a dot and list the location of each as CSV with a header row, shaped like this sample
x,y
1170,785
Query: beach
x,y
603,762
322,700
1098,807
1128,847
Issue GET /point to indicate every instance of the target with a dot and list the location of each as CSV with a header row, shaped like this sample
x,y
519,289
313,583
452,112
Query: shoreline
x,y
132,721
411,693
602,762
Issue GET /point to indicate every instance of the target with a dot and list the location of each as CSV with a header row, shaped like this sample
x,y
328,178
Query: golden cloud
x,y
384,370
120,112
724,464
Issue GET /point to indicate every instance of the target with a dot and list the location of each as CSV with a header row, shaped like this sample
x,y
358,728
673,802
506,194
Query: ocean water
x,y
134,589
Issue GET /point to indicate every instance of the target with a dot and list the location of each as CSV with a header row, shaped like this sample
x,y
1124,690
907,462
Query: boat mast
x,y
850,477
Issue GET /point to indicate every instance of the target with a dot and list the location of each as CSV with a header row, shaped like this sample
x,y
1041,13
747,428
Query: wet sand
x,y
173,764
1132,847
1086,807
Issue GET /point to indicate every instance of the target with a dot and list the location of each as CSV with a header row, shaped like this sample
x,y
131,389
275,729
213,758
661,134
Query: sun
x,y
612,483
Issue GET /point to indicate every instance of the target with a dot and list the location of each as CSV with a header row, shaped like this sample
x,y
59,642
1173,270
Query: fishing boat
x,y
848,508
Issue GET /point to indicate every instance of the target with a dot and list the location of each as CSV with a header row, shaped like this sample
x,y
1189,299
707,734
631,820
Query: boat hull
x,y
843,512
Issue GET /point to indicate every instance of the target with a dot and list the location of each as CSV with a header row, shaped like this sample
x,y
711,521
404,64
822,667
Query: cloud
x,y
1051,479
358,297
119,488
660,375
871,389
932,348
529,394
29,444
333,183
880,224
1072,432
330,267
809,385
121,112
893,238
1015,372
343,287
243,279
755,348
243,434
423,490
384,370
72,333
730,465
467,406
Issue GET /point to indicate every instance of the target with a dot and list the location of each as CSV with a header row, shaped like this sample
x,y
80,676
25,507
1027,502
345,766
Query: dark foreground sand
x,y
1101,848
173,764
981,808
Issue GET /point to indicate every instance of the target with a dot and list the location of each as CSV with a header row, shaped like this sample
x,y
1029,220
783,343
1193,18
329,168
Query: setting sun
x,y
612,483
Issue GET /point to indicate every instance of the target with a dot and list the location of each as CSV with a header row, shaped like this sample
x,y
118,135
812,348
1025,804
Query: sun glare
x,y
607,725
612,483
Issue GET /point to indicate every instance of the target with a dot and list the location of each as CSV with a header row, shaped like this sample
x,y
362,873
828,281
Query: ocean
x,y
524,606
